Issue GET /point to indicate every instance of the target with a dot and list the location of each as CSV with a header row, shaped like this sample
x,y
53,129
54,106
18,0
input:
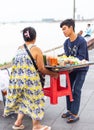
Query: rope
x,y
53,49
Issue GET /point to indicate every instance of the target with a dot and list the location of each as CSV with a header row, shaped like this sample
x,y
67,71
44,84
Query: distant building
x,y
48,20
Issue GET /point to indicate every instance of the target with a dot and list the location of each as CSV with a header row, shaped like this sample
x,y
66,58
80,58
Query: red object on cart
x,y
56,90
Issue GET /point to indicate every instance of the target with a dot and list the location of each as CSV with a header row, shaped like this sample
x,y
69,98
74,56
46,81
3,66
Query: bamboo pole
x,y
6,66
55,48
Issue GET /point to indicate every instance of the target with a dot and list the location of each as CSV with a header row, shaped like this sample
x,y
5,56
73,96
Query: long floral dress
x,y
25,93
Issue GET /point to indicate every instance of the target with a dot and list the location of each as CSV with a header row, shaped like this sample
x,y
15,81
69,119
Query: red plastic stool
x,y
56,90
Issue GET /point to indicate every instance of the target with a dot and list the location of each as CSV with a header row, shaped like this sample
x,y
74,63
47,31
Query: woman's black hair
x,y
29,34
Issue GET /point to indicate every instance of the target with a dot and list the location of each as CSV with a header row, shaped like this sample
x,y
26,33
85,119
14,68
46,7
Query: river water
x,y
49,35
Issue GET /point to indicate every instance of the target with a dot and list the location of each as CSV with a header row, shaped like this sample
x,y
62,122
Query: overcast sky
x,y
15,10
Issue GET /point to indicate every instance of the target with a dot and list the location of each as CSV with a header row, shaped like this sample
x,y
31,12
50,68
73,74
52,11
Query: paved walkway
x,y
53,112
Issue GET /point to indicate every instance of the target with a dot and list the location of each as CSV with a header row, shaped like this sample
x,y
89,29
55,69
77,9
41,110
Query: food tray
x,y
68,67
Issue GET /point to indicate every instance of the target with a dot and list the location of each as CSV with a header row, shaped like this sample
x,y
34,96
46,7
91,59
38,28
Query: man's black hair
x,y
68,22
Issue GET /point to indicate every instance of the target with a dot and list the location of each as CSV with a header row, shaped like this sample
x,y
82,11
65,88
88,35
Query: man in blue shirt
x,y
88,31
76,46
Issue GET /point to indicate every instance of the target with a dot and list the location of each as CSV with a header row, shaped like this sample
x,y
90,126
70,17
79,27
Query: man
x,y
88,31
75,46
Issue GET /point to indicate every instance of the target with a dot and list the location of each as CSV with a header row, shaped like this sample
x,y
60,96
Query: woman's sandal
x,y
43,128
65,115
15,127
72,119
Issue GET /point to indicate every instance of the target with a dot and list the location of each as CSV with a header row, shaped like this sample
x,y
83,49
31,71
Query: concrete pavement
x,y
53,112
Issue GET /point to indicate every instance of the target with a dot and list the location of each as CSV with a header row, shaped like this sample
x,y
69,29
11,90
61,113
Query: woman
x,y
25,95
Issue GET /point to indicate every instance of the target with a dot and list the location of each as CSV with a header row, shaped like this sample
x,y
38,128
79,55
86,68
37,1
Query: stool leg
x,y
4,93
53,98
58,83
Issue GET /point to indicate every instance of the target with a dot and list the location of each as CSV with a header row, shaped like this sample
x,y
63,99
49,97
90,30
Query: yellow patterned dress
x,y
25,93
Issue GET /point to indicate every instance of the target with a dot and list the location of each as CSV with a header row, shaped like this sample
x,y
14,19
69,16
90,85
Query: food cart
x,y
55,90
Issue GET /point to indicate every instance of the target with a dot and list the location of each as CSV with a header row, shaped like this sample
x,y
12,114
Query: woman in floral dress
x,y
25,95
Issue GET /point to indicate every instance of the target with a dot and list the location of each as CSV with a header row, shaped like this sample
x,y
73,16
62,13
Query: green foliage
x,y
5,63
